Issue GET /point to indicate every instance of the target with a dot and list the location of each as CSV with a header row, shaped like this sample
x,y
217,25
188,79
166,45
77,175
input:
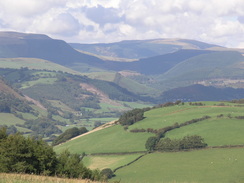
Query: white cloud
x,y
213,21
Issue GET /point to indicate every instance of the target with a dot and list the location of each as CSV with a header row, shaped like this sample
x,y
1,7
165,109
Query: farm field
x,y
166,116
33,63
108,161
216,132
9,119
201,166
110,140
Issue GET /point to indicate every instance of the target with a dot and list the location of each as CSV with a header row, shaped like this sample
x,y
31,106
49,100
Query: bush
x,y
151,143
107,173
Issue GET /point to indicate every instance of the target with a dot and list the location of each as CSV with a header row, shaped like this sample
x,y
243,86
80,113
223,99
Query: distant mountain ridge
x,y
13,44
137,49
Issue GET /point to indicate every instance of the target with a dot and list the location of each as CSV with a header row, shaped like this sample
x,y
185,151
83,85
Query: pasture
x,y
201,166
166,116
108,161
216,132
110,140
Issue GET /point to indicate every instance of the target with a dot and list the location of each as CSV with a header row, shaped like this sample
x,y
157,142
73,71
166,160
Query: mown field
x,y
215,165
109,161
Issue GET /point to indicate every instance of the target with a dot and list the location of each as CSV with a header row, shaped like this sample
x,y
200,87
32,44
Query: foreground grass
x,y
25,178
201,166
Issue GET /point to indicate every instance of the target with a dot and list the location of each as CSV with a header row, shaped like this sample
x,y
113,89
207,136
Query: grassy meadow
x,y
108,161
200,166
166,116
216,132
110,140
33,63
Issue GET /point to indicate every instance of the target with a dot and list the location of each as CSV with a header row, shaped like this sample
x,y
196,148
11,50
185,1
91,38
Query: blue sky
x,y
91,21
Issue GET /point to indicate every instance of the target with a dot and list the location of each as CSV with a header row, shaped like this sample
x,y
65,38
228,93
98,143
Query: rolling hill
x,y
221,130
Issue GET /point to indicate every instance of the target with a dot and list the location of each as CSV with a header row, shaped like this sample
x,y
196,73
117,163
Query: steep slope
x,y
13,44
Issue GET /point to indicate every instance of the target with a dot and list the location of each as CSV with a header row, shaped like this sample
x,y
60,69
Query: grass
x,y
38,81
166,116
108,161
25,178
110,140
202,166
33,63
9,119
215,132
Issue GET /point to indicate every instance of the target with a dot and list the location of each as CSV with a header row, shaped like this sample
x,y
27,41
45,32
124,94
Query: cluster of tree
x,y
14,76
33,156
240,101
131,117
9,103
68,134
167,144
197,103
239,117
42,127
168,104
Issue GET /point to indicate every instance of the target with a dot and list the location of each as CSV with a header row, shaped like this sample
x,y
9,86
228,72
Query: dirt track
x,y
106,125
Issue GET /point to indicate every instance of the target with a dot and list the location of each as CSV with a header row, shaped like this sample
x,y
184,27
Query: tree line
x,y
34,156
68,134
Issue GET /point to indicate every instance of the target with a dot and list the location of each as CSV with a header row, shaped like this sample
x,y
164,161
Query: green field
x,y
108,161
216,132
9,119
33,63
202,166
166,116
110,140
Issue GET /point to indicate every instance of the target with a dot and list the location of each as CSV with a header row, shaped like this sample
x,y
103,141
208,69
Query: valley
x,y
152,110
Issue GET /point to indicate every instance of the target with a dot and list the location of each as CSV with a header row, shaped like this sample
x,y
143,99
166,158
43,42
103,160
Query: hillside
x,y
221,130
54,101
201,93
13,44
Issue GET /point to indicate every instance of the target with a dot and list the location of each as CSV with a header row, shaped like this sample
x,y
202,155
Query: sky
x,y
103,21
